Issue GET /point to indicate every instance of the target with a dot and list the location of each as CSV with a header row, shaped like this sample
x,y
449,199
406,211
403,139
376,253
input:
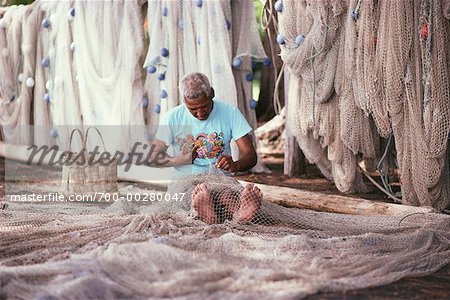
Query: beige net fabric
x,y
368,69
321,97
17,63
53,73
162,249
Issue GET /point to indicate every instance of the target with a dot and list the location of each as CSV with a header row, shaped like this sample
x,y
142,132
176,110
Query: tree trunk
x,y
265,110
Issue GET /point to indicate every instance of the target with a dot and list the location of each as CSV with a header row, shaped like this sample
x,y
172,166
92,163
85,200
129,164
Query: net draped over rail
x,y
127,249
365,69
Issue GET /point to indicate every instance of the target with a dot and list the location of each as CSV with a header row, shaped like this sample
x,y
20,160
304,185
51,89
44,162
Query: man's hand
x,y
225,162
186,156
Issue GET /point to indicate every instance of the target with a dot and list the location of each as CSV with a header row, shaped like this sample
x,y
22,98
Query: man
x,y
200,131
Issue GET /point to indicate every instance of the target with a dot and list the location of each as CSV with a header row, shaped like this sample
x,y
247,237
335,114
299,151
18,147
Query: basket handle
x,y
80,134
99,134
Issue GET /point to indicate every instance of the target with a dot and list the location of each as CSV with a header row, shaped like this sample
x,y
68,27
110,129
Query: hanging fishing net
x,y
210,236
364,69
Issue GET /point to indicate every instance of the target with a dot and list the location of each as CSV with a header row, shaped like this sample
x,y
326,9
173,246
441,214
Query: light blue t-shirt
x,y
179,128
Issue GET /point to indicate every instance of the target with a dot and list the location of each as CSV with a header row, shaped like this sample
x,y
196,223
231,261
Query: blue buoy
x,y
165,11
281,39
45,62
145,102
267,62
46,23
249,76
47,98
279,6
151,69
198,40
355,15
237,62
157,108
53,133
164,52
163,94
199,3
299,39
161,76
228,24
253,103
72,12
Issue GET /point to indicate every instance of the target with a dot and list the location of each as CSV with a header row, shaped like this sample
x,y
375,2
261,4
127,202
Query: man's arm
x,y
246,162
160,158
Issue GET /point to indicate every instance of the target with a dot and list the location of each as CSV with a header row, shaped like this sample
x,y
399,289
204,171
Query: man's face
x,y
200,108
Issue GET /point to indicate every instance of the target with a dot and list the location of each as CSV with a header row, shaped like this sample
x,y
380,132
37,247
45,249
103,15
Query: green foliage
x,y
259,7
18,2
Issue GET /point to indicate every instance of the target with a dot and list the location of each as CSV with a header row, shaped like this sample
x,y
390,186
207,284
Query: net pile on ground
x,y
358,67
163,249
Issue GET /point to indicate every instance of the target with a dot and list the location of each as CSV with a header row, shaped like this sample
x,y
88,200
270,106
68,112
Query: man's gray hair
x,y
193,85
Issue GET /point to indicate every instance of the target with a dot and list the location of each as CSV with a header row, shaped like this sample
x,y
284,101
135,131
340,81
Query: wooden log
x,y
334,203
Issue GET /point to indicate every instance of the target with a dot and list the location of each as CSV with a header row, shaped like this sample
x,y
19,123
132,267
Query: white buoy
x,y
5,52
21,77
30,82
48,85
3,23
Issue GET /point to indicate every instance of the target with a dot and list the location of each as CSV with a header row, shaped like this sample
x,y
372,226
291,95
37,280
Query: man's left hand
x,y
226,163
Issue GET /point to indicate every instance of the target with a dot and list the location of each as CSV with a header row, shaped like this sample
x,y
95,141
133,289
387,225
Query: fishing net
x,y
364,69
210,236
56,74
250,248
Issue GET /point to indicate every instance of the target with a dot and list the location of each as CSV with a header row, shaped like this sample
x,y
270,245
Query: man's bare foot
x,y
202,204
250,202
229,200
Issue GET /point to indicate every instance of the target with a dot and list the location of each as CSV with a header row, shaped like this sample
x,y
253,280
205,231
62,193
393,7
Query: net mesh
x,y
367,69
242,246
225,239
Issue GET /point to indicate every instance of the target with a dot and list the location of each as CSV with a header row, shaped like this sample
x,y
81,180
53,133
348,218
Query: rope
x,y
379,186
384,177
276,98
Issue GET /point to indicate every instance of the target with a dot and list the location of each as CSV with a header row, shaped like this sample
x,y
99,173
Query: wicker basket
x,y
95,181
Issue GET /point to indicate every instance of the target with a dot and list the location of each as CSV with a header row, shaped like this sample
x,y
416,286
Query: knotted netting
x,y
171,248
241,245
70,63
364,69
